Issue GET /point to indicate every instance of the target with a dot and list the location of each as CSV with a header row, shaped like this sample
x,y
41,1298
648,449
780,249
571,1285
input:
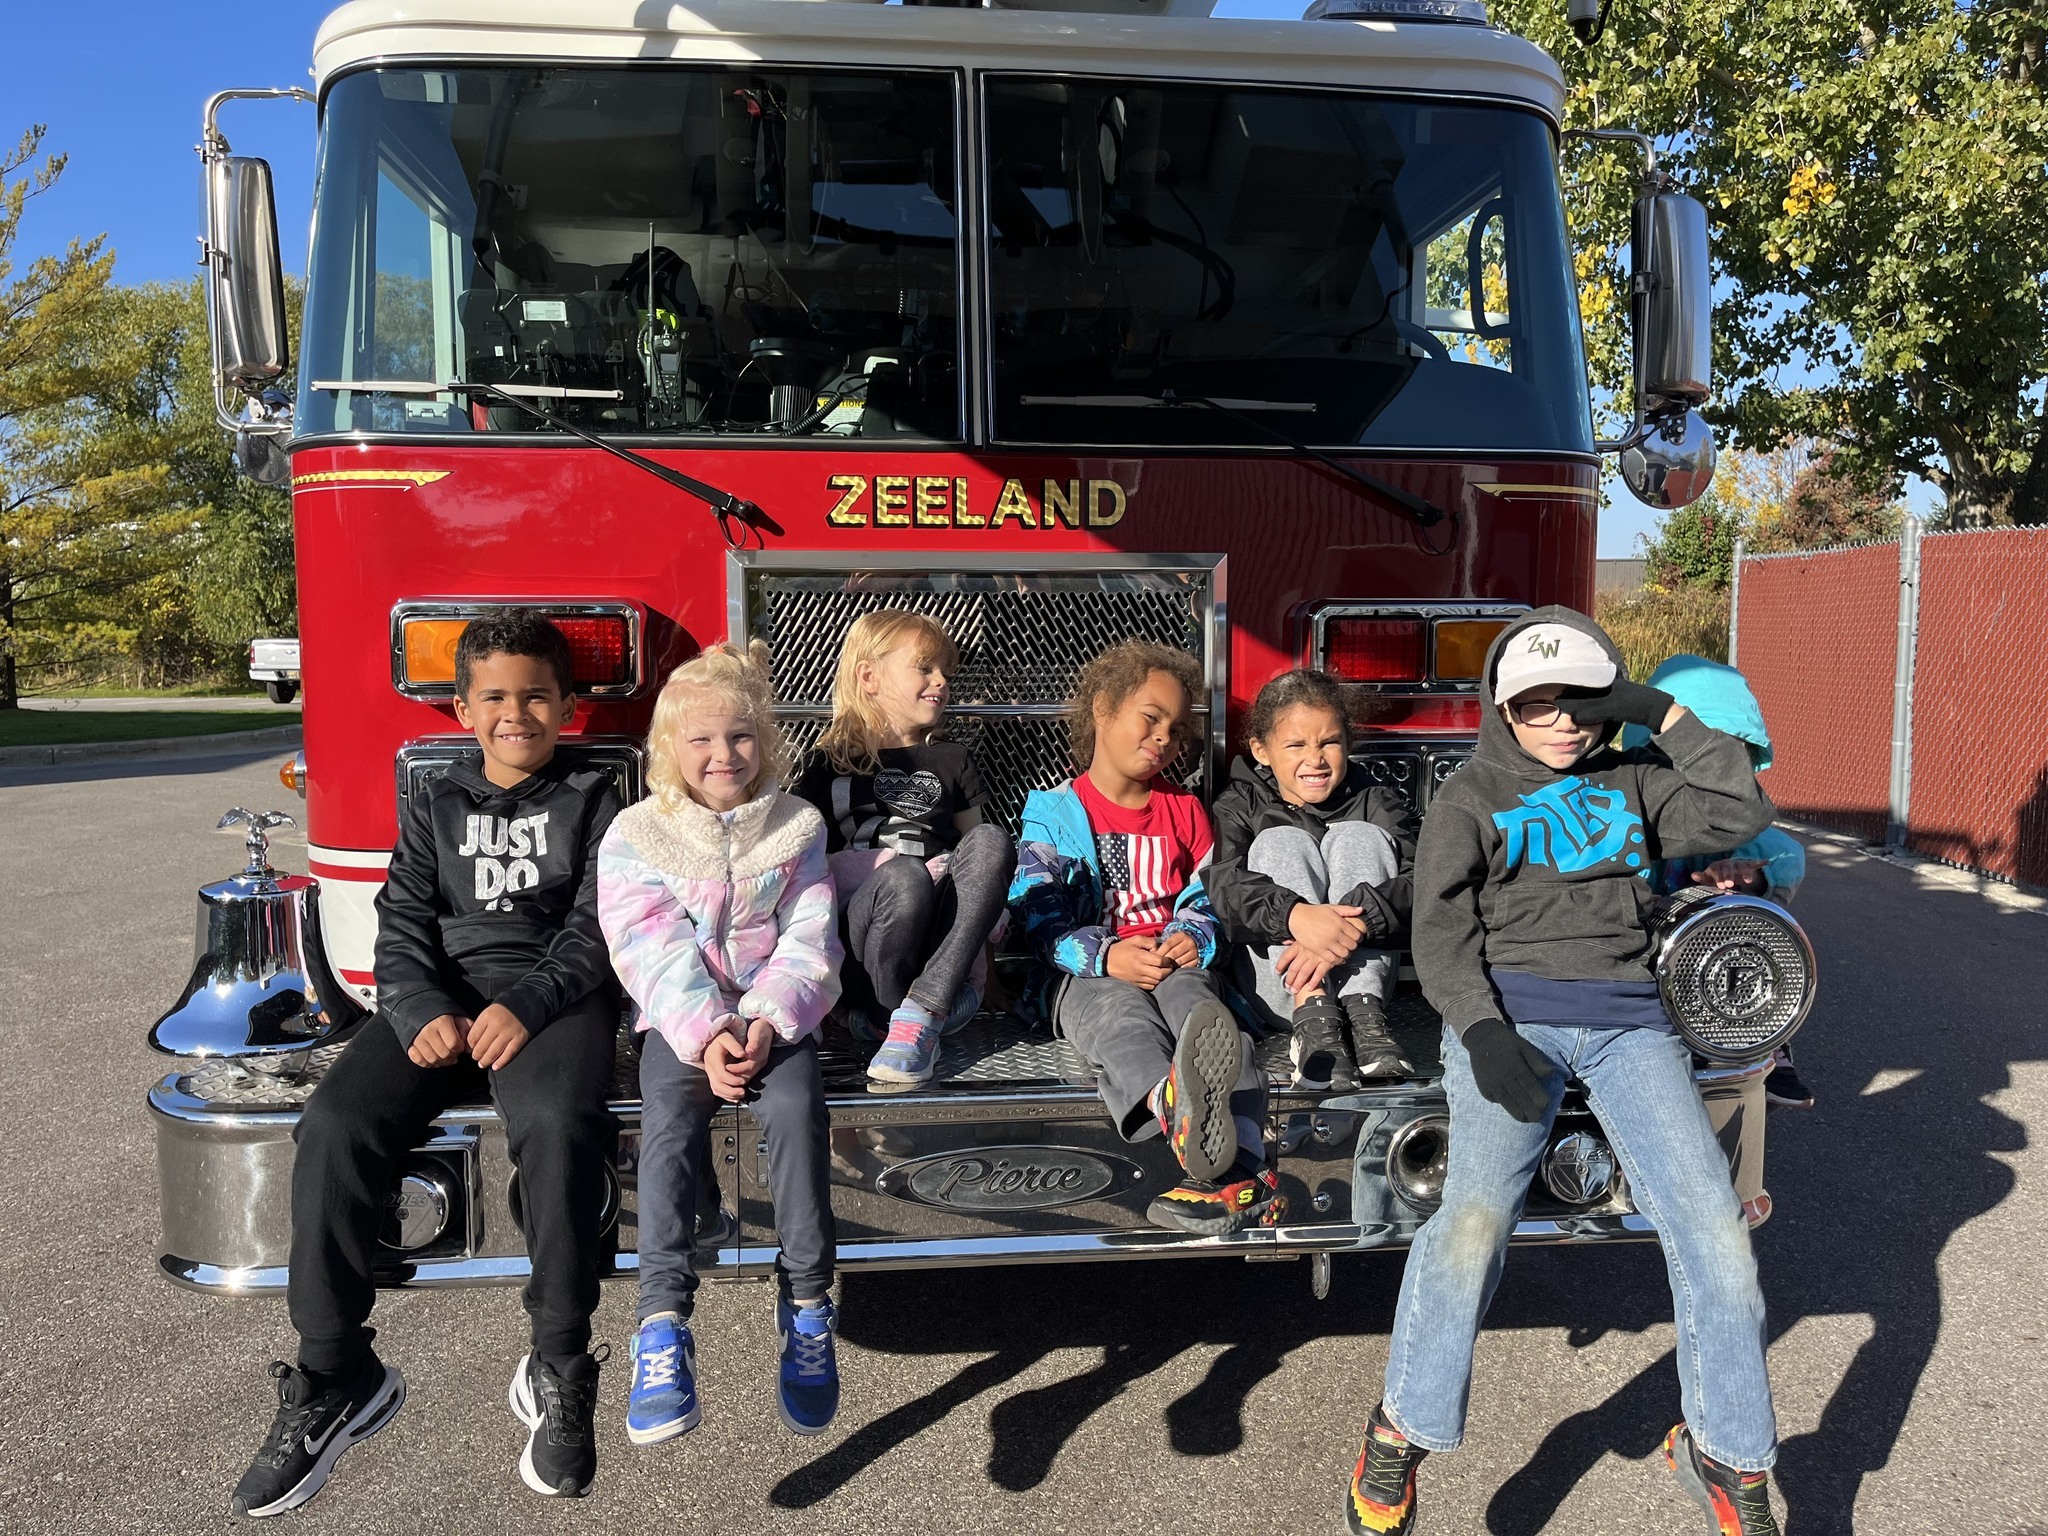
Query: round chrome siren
x,y
1417,1159
1579,1170
1737,973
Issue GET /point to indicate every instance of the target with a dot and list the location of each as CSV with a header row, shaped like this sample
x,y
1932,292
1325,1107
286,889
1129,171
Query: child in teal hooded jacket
x,y
1772,863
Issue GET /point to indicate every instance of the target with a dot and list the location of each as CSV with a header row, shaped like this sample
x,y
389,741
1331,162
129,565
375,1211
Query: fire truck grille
x,y
1015,754
1023,634
1022,637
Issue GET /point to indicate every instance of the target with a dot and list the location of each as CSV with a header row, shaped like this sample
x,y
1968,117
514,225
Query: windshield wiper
x,y
725,506
1426,513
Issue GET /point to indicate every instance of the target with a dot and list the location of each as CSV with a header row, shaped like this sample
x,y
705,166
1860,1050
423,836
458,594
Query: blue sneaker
x,y
965,1007
663,1401
807,1390
911,1053
862,1026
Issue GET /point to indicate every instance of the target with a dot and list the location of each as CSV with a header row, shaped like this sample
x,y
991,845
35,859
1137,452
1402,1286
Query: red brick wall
x,y
1817,637
1980,703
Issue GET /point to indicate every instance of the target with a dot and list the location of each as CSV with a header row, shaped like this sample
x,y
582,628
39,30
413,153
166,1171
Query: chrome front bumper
x,y
226,1182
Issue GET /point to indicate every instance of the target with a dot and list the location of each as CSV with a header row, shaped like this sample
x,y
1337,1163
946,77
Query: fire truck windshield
x,y
1350,269
701,250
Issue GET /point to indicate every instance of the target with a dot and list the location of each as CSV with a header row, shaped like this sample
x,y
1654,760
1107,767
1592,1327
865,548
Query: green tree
x,y
1874,174
1695,546
81,449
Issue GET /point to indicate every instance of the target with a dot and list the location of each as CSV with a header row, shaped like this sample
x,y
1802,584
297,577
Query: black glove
x,y
1508,1069
1622,703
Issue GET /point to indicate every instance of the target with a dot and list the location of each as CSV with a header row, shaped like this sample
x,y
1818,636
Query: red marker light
x,y
1376,650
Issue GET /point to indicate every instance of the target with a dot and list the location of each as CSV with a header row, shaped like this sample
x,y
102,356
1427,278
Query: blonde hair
x,y
722,674
855,734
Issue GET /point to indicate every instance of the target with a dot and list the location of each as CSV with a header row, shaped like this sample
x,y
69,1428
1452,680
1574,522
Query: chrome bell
x,y
261,987
1737,973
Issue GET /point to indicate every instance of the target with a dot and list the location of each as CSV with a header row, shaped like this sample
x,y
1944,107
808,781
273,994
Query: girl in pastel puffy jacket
x,y
718,909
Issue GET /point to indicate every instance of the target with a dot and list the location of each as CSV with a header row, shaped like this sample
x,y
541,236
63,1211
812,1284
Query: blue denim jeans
x,y
1640,1084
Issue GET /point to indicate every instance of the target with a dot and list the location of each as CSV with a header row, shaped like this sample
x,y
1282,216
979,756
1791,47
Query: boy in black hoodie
x,y
1312,875
492,978
1530,939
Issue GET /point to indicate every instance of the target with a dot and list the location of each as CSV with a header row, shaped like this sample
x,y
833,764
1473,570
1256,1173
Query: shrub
x,y
1652,625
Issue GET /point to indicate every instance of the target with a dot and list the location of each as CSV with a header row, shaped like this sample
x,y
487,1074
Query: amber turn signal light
x,y
430,650
1461,647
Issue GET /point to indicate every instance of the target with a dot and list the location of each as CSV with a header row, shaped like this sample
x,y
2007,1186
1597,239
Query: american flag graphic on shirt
x,y
1143,875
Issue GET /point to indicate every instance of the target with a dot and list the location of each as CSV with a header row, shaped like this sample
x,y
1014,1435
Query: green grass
x,y
62,727
219,688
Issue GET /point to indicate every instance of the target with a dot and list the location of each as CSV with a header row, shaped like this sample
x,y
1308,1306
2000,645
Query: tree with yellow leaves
x,y
1880,219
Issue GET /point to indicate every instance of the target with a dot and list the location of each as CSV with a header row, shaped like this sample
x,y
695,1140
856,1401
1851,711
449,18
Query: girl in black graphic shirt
x,y
921,875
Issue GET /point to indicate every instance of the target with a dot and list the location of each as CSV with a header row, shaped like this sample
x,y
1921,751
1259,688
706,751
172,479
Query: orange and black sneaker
x,y
1739,1503
1245,1196
1381,1499
1194,1107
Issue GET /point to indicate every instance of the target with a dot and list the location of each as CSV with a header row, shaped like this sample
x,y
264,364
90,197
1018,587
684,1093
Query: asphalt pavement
x,y
1902,1268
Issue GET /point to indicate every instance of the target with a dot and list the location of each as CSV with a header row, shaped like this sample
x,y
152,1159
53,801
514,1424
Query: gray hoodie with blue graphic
x,y
1523,866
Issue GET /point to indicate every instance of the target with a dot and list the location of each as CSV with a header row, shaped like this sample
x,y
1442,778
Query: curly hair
x,y
723,675
854,735
513,632
1304,687
1113,676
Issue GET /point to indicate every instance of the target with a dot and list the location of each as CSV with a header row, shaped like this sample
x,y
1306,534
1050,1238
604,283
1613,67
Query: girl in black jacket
x,y
1312,874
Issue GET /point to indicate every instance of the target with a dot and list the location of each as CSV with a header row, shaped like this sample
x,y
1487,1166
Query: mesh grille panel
x,y
1021,637
1014,753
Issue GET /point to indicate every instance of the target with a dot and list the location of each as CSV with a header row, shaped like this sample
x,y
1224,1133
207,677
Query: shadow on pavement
x,y
28,774
1870,1187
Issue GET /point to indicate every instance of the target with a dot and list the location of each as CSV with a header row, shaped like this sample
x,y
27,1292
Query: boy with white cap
x,y
1530,938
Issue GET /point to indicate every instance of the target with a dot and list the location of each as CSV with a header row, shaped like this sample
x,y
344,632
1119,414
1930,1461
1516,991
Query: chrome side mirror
x,y
1672,463
244,274
1667,455
1674,323
244,283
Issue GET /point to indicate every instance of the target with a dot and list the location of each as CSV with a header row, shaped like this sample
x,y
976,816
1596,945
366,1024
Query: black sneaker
x,y
1381,1498
559,1411
1739,1503
1208,1061
1321,1055
312,1428
1372,1047
1784,1089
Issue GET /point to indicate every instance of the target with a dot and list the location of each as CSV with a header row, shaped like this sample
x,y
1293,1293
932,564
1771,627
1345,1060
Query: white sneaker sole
x,y
520,1397
669,1431
882,1074
375,1414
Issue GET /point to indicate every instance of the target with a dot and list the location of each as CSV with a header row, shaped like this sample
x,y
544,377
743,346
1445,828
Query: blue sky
x,y
120,84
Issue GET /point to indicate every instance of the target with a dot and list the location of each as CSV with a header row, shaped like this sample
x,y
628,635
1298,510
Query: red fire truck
x,y
1064,320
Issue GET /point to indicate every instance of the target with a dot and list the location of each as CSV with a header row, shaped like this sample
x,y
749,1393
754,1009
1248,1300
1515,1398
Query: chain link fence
x,y
1816,634
1906,688
1980,704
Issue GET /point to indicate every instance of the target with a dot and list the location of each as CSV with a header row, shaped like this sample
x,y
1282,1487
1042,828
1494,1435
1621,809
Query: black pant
x,y
374,1106
909,935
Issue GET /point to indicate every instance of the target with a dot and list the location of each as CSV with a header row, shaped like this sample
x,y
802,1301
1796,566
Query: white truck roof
x,y
1424,58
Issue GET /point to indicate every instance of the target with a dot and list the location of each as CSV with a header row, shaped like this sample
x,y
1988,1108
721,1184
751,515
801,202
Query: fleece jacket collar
x,y
693,843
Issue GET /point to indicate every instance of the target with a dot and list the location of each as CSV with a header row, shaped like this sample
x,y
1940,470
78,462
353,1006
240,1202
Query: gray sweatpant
x,y
1350,854
1128,1035
675,1142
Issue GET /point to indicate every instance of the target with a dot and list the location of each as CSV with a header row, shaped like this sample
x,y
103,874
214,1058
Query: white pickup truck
x,y
274,663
